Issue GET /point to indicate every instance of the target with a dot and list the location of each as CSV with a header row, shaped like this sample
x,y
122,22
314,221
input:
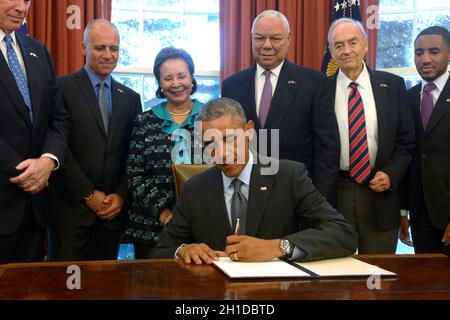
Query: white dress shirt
x,y
440,84
370,112
260,79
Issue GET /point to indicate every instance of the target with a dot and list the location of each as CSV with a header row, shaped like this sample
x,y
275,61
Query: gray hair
x,y
273,14
90,25
345,20
217,108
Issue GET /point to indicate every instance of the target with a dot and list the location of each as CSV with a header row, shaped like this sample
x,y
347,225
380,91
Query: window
x,y
400,22
147,26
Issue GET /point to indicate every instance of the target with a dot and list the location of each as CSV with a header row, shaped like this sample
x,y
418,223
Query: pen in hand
x,y
236,230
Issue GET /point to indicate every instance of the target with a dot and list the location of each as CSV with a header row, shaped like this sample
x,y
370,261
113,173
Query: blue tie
x,y
18,74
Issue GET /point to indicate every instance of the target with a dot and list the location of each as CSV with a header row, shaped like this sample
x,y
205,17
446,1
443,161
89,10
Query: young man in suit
x,y
277,94
269,208
429,175
376,138
88,207
33,137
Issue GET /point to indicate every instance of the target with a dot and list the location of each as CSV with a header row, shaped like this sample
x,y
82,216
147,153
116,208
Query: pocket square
x,y
384,85
448,100
263,188
292,82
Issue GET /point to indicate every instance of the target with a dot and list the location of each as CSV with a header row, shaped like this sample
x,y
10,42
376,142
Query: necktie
x,y
266,99
359,159
426,105
238,207
103,106
19,76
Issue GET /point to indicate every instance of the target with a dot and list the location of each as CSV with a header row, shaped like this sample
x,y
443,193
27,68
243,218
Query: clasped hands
x,y
107,207
239,248
35,175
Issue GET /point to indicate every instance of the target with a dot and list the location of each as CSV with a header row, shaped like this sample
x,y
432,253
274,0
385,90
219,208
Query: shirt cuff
x,y
52,156
403,213
176,252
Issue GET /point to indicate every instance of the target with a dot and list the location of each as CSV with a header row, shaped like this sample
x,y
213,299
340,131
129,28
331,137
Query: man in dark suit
x,y
88,207
429,175
277,94
33,136
377,137
238,210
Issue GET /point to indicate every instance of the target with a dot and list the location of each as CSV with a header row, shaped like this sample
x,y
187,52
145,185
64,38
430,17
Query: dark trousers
x,y
24,245
78,243
142,251
426,237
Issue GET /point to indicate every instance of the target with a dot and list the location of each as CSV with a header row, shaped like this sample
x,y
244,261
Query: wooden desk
x,y
420,277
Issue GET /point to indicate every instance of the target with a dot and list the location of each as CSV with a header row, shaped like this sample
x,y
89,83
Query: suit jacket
x,y
395,141
429,175
301,109
20,139
289,200
96,160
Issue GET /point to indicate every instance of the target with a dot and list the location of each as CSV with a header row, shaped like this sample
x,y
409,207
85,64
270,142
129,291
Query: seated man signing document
x,y
238,209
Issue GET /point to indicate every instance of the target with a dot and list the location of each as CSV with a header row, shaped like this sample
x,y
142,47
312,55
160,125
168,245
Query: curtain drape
x,y
59,24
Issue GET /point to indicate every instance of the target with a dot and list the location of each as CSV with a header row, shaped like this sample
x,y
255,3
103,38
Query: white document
x,y
340,267
270,269
344,267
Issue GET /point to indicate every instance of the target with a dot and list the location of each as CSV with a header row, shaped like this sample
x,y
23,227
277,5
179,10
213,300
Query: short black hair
x,y
172,53
436,30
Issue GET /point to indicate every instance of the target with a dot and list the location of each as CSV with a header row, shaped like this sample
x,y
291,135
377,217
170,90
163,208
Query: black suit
x,y
288,199
20,139
301,108
395,142
429,178
96,162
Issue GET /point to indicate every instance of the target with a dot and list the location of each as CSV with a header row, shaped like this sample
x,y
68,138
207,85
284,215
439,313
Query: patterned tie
x,y
266,99
103,106
238,207
359,148
426,105
19,76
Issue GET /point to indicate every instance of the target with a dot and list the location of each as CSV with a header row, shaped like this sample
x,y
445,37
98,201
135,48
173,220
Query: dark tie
x,y
359,158
266,99
19,76
103,105
426,105
238,207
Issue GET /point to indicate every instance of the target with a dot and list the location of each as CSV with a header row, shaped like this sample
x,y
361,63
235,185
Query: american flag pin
x,y
384,85
33,54
263,188
292,82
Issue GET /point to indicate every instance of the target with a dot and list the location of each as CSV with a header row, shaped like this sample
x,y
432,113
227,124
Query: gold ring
x,y
236,257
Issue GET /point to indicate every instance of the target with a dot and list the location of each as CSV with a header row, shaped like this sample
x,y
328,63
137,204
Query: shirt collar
x,y
12,34
169,126
275,71
244,176
363,79
439,82
95,79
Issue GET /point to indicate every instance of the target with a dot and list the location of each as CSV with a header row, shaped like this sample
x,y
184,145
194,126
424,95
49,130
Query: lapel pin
x,y
120,90
384,85
263,188
292,82
33,54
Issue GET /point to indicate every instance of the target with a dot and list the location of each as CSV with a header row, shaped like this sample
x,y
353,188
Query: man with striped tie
x,y
377,136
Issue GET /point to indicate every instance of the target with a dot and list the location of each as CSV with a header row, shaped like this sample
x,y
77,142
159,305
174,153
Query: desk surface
x,y
420,277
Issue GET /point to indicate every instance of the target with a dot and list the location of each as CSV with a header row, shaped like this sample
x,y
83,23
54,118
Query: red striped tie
x,y
359,149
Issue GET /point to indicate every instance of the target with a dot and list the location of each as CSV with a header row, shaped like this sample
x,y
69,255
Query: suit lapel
x,y
440,109
31,60
8,81
88,92
415,108
333,82
259,194
249,96
287,85
380,94
216,203
117,96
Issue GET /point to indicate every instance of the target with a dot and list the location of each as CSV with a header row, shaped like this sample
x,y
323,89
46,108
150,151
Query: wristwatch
x,y
287,248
